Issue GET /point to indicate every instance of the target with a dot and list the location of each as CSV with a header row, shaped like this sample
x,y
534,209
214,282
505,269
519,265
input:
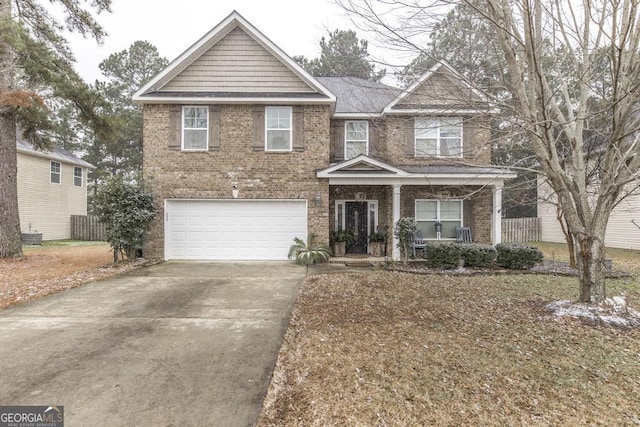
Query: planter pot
x,y
339,248
31,238
376,249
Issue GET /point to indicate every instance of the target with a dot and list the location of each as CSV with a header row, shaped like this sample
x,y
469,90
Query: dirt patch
x,y
53,267
389,348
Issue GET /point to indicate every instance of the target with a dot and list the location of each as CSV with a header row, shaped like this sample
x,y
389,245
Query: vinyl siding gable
x,y
440,90
237,63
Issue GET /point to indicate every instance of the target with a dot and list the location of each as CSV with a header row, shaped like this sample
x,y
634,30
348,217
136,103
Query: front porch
x,y
366,196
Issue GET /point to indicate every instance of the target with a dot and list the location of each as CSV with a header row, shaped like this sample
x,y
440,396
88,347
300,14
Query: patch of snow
x,y
613,311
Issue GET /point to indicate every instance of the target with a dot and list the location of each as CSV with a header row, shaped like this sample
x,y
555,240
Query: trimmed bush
x,y
518,257
478,255
443,255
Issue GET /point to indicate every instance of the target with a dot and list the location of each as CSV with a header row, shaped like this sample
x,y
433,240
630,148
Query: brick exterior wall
x,y
259,174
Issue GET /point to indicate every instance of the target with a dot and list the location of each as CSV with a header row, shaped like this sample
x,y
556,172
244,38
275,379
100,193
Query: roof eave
x,y
228,100
50,156
413,111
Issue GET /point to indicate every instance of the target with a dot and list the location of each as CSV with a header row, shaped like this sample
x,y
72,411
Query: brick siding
x,y
259,174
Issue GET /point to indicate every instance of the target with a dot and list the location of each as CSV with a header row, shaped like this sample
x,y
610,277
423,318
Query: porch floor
x,y
366,260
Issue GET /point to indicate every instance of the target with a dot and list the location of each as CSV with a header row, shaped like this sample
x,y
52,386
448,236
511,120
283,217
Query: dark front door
x,y
356,221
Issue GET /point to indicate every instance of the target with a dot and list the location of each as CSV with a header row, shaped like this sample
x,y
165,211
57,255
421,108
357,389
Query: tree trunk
x,y
10,237
591,253
568,237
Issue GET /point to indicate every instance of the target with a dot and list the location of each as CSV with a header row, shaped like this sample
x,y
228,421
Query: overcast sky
x,y
296,26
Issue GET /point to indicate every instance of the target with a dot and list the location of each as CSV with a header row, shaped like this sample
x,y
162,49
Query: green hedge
x,y
443,255
478,255
518,257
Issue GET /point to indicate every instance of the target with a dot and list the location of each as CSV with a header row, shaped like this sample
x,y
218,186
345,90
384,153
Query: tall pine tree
x,y
33,49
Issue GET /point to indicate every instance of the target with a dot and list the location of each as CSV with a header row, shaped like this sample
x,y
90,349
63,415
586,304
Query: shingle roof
x,y
454,169
355,95
55,153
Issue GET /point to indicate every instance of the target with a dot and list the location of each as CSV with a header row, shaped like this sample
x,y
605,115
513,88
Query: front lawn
x,y
388,348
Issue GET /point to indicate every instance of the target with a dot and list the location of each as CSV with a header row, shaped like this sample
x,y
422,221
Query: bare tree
x,y
572,71
556,106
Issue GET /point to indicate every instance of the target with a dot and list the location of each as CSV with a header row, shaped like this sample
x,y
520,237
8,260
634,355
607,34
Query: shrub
x,y
404,231
517,256
443,255
307,252
125,205
478,255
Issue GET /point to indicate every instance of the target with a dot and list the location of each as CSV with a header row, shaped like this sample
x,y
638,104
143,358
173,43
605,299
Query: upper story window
x,y
56,173
447,213
195,128
438,137
278,129
77,176
356,138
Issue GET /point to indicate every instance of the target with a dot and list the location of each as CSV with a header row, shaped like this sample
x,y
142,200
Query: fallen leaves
x,y
388,348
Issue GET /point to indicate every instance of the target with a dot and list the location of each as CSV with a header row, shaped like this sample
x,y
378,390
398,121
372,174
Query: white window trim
x,y
438,127
59,173
438,216
183,128
366,150
81,176
266,130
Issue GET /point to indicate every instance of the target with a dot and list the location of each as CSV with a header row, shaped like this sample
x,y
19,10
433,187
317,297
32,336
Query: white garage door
x,y
233,229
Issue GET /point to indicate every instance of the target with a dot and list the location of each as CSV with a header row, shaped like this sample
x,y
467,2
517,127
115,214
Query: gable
x,y
237,63
234,63
439,89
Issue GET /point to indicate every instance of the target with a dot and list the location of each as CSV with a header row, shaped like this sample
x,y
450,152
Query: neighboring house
x,y
622,231
52,186
245,151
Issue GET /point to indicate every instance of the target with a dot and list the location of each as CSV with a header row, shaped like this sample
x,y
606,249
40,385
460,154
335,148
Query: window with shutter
x,y
278,123
195,128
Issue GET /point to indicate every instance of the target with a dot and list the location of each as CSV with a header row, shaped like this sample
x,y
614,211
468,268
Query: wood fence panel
x,y
87,227
520,230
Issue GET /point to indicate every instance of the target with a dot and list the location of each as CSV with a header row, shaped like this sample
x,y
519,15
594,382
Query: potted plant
x,y
341,239
376,243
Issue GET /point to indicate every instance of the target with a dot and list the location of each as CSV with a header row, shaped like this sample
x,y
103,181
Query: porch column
x,y
497,214
396,217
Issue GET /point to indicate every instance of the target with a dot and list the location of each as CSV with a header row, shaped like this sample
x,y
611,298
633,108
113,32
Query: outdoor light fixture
x,y
234,190
318,200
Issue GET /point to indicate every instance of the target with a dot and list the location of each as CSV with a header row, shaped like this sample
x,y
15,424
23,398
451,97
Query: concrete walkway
x,y
177,344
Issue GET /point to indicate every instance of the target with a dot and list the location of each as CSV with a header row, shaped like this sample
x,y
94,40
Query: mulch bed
x,y
546,267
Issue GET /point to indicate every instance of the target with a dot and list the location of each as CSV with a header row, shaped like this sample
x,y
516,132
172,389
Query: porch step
x,y
367,260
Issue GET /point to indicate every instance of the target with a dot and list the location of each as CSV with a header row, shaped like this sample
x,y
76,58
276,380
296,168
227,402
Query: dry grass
x,y
624,259
388,348
53,267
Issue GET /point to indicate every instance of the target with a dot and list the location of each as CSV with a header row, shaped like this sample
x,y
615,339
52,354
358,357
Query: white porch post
x,y
497,214
396,218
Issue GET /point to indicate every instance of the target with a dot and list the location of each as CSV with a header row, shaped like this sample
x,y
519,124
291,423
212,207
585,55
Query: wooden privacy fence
x,y
87,227
518,230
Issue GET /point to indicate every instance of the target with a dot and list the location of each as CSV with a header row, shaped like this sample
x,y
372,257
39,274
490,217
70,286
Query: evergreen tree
x,y
30,41
342,55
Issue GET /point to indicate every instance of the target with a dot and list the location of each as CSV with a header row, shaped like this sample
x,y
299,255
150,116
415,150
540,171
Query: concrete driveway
x,y
177,344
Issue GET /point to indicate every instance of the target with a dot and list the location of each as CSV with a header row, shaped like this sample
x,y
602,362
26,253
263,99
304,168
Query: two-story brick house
x,y
245,151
